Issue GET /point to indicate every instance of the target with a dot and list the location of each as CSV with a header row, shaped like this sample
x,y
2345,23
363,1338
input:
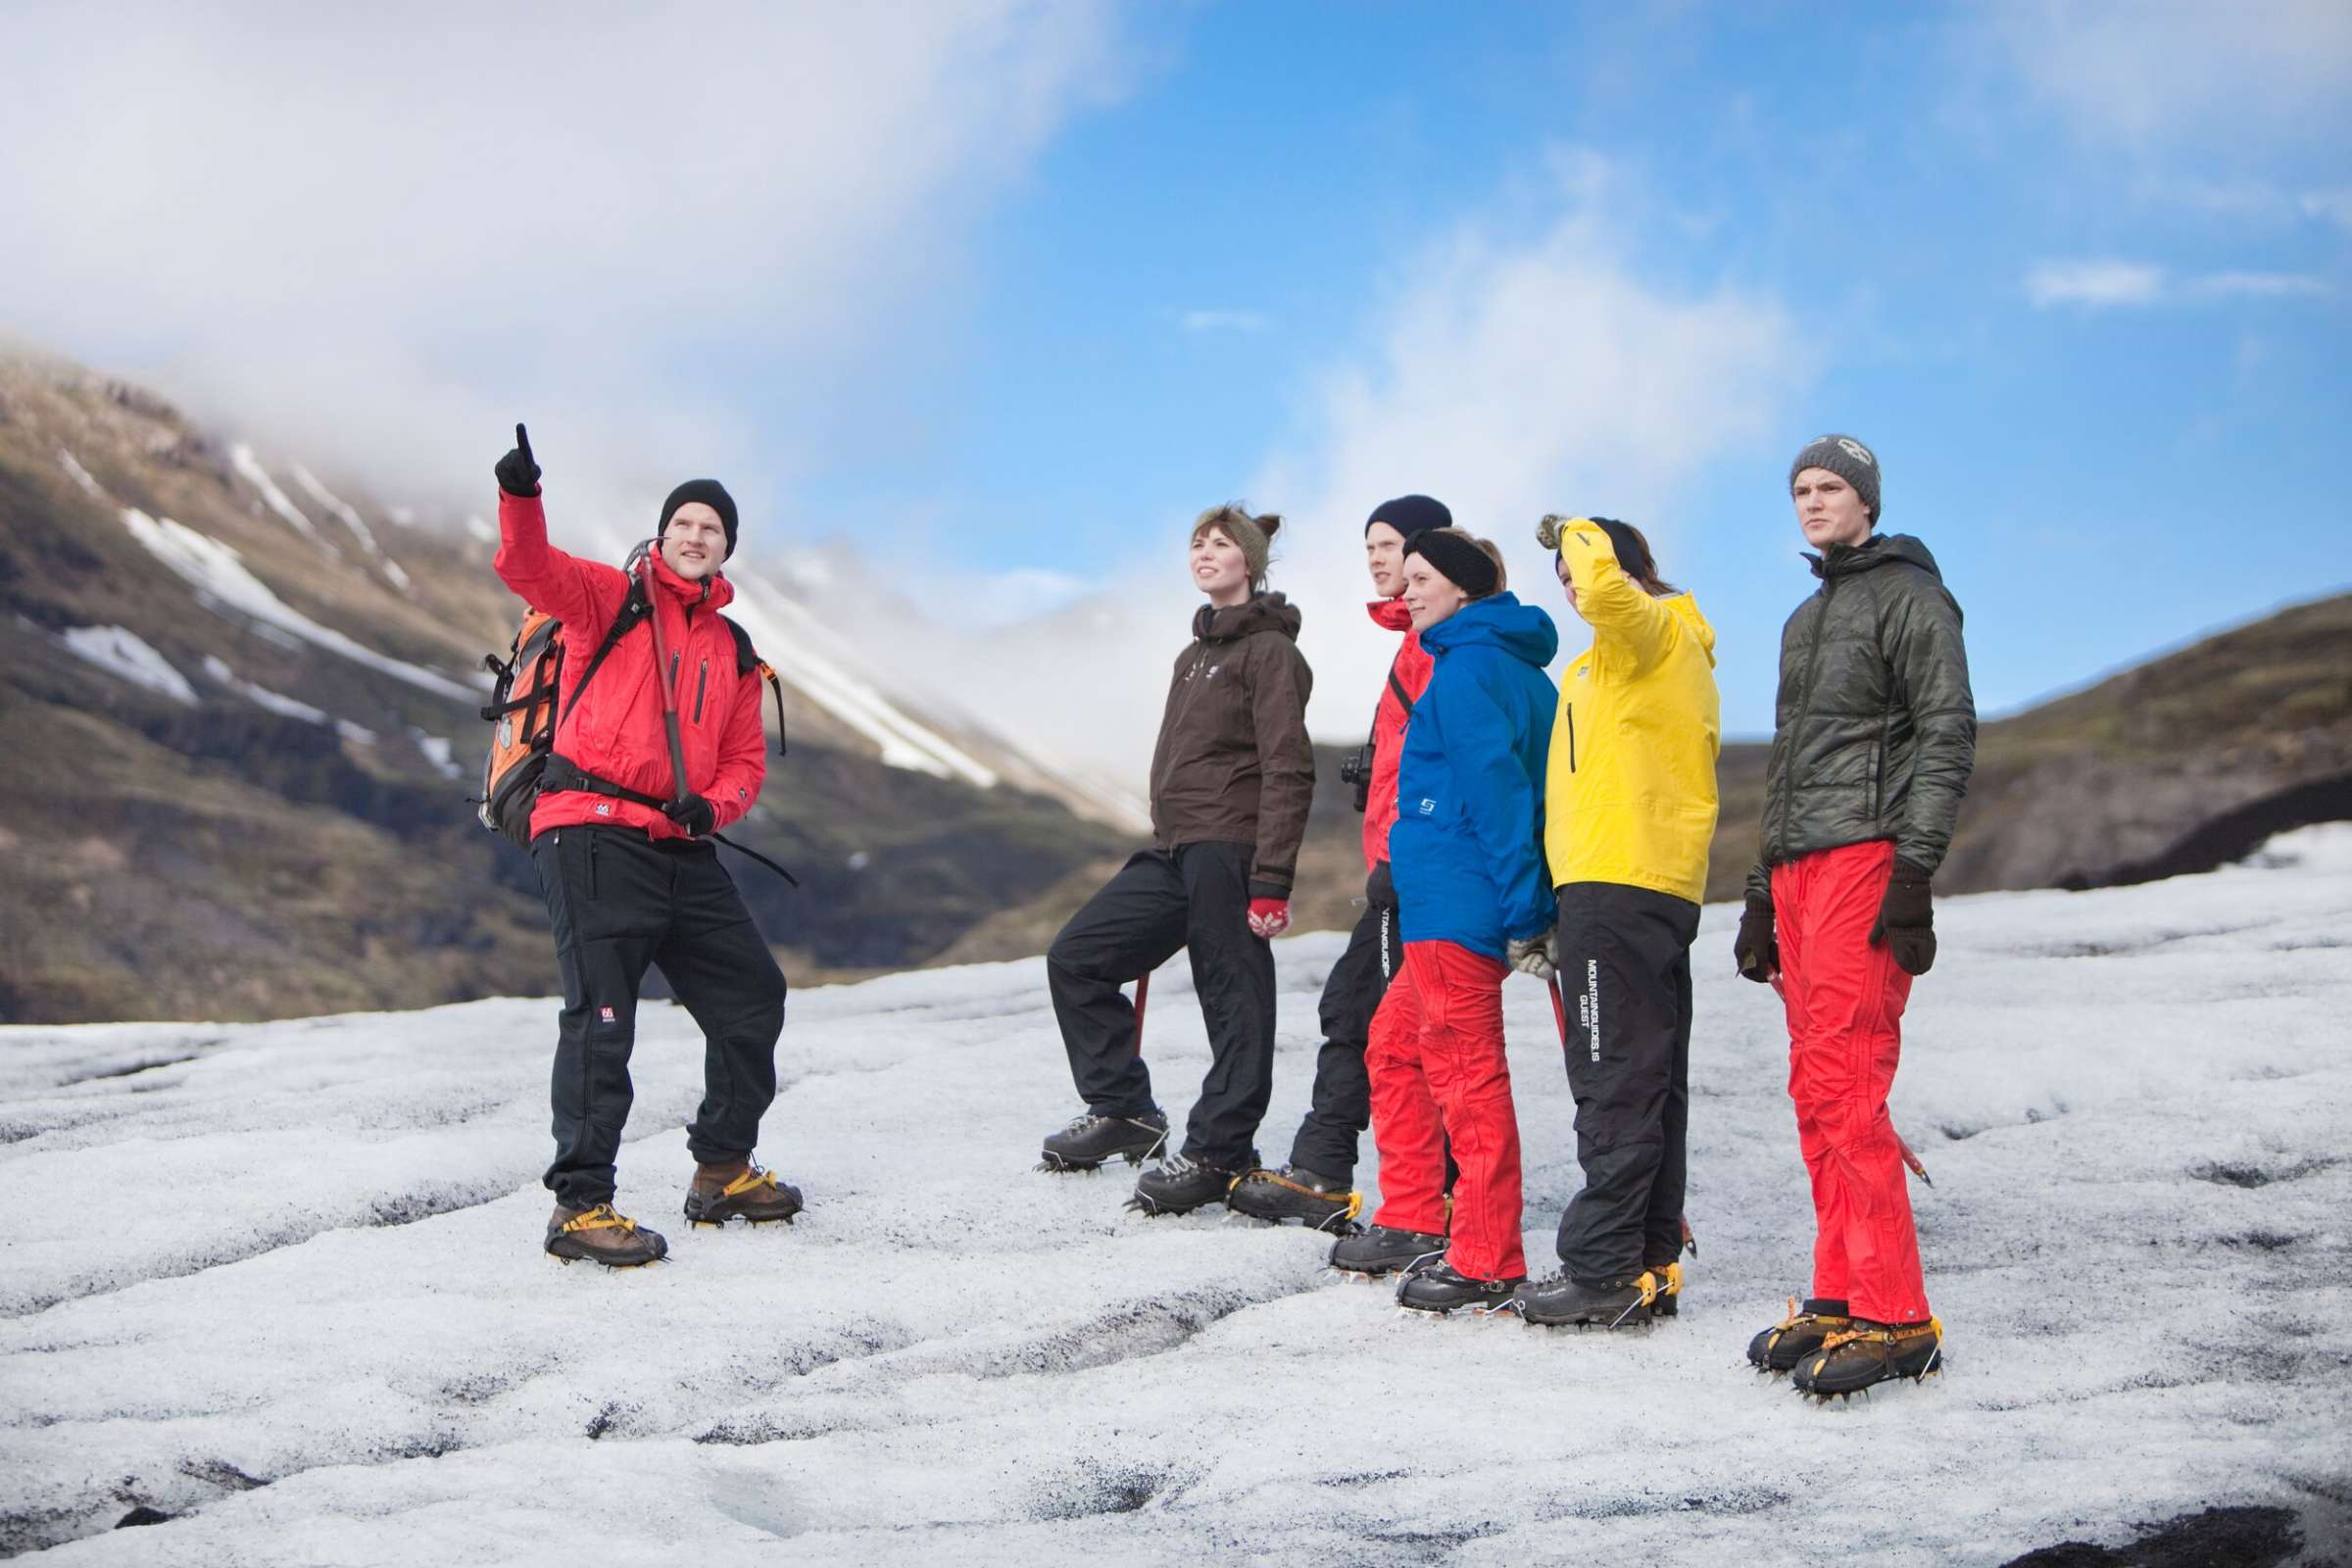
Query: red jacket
x,y
616,730
1411,671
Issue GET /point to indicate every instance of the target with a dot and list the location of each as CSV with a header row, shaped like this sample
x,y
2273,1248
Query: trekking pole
x,y
1911,1159
1559,1010
1918,1166
668,676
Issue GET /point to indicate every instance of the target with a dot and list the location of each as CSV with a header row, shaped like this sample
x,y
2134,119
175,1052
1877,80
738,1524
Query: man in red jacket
x,y
622,849
1318,1185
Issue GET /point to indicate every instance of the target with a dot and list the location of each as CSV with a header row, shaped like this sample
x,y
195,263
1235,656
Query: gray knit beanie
x,y
1846,458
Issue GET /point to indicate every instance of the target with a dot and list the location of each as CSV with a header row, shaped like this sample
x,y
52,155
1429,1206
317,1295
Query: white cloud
x,y
2140,71
383,233
1510,371
2096,284
2102,284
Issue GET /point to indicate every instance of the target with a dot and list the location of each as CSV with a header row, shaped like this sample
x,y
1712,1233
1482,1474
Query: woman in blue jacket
x,y
1466,853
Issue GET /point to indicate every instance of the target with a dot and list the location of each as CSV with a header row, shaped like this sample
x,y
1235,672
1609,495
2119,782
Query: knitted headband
x,y
1255,535
1458,559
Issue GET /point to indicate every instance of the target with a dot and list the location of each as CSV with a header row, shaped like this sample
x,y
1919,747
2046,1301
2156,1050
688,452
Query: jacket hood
x,y
1262,612
1686,609
1879,550
1390,615
1501,621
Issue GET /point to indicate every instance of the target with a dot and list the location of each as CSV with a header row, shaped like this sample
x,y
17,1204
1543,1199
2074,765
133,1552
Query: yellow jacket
x,y
1630,789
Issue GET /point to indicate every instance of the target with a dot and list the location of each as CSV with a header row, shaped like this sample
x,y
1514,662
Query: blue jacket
x,y
1467,850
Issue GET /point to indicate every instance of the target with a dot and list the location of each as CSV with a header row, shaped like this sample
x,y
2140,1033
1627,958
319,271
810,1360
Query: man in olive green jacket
x,y
1874,737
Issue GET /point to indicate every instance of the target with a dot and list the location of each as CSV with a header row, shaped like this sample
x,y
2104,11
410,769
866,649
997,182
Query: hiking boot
x,y
1322,1203
1089,1140
601,1236
1379,1249
1612,1304
740,1190
1439,1288
1865,1353
1781,1346
1178,1185
1669,1301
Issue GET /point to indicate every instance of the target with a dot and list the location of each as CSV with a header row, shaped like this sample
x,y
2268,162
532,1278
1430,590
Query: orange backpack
x,y
522,709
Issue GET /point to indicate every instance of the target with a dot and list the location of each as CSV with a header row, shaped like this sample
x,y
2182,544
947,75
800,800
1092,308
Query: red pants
x,y
1845,1011
1437,1073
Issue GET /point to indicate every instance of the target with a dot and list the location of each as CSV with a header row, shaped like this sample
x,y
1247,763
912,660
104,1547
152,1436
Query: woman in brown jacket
x,y
1231,781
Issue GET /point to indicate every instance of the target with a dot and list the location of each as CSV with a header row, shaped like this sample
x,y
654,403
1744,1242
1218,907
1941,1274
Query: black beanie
x,y
1632,554
1410,514
1460,561
711,493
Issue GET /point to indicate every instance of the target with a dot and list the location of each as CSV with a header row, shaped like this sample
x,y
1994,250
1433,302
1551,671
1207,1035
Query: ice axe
x,y
666,671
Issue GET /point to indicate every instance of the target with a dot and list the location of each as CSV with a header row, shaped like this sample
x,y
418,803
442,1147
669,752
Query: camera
x,y
1355,768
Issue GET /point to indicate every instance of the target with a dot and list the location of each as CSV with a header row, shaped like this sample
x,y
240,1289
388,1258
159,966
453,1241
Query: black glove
x,y
518,474
1380,889
693,814
1906,920
1756,950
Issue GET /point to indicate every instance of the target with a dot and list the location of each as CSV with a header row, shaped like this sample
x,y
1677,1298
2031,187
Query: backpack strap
x,y
632,610
747,662
563,774
1404,696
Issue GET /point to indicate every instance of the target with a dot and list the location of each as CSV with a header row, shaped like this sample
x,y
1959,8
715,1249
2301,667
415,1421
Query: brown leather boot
x,y
739,1190
602,1234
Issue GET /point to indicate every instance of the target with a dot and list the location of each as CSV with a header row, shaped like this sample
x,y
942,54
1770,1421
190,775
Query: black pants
x,y
620,901
1625,961
1195,897
1340,1108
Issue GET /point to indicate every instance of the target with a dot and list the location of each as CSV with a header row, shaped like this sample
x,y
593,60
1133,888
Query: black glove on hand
x,y
1380,889
1756,950
518,474
693,814
1906,920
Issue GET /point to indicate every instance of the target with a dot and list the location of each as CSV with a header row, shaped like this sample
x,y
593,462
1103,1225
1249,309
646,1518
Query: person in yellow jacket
x,y
1629,811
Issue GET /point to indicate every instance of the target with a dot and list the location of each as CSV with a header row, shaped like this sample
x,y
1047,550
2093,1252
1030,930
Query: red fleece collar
x,y
1390,615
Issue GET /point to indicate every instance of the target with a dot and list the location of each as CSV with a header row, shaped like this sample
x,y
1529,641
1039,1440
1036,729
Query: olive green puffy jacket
x,y
1875,731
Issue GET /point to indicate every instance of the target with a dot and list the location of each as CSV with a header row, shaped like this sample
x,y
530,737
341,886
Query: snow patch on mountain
x,y
789,637
242,458
124,652
439,751
260,695
220,577
81,475
338,1342
358,524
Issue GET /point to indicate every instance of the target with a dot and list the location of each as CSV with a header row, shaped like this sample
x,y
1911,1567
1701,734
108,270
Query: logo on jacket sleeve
x,y
1427,805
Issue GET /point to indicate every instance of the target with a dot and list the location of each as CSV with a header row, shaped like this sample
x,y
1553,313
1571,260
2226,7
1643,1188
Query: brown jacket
x,y
1233,764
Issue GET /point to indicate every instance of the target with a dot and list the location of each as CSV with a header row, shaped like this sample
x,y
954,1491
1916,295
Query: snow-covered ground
x,y
283,1283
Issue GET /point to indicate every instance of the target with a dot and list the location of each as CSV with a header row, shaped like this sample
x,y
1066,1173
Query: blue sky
x,y
1006,296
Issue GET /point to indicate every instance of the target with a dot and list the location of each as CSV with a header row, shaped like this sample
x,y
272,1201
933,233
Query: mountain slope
x,y
238,717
